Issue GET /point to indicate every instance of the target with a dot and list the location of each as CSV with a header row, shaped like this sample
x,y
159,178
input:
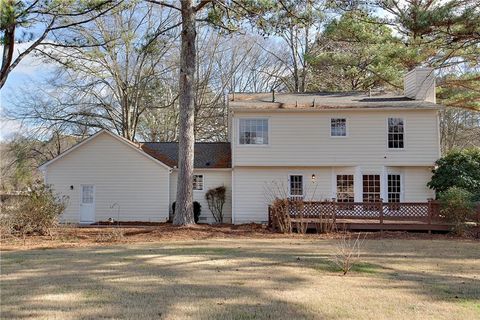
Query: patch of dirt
x,y
74,236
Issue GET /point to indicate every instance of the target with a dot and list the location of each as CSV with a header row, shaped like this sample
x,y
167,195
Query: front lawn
x,y
276,278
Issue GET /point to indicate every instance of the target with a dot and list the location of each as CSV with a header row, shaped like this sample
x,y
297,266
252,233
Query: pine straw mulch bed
x,y
72,236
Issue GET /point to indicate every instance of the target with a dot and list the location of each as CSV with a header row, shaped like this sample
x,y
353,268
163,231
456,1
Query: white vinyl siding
x,y
415,184
120,175
254,186
303,139
211,179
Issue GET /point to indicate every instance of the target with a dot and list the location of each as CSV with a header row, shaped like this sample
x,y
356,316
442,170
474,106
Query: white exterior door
x,y
87,204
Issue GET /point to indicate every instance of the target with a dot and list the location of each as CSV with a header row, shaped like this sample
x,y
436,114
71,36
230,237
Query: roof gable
x,y
130,144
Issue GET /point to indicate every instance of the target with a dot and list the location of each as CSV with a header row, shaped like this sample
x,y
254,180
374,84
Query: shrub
x,y
458,169
216,199
197,209
37,213
457,206
348,251
280,216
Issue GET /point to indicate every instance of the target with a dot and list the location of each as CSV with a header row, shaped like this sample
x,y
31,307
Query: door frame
x,y
93,203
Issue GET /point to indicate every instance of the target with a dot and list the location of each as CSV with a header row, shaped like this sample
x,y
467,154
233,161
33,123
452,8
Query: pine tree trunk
x,y
184,204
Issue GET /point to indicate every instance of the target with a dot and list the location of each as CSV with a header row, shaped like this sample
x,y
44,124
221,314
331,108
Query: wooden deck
x,y
377,216
377,225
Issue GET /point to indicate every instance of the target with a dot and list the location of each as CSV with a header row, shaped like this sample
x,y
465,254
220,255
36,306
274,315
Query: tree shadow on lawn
x,y
200,281
124,283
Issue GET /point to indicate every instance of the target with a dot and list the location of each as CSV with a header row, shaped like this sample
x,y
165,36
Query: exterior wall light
x,y
71,187
313,178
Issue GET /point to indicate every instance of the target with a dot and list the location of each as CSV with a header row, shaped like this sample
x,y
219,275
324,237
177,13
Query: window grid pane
x,y
338,127
394,187
198,182
371,188
345,188
296,185
253,131
395,133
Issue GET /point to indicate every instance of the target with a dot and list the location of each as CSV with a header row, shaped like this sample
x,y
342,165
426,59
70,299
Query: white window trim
x,y
303,185
347,120
203,182
237,131
404,134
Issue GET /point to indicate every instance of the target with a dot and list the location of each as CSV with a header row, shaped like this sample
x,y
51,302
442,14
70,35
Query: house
x,y
353,147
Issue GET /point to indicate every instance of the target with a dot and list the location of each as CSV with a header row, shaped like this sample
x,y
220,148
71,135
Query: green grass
x,y
243,279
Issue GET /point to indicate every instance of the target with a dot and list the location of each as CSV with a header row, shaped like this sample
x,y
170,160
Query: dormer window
x,y
396,132
338,127
253,131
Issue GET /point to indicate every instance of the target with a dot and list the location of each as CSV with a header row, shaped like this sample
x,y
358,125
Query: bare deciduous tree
x,y
48,19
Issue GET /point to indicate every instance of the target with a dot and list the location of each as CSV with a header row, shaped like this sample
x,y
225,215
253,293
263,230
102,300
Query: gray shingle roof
x,y
323,101
207,154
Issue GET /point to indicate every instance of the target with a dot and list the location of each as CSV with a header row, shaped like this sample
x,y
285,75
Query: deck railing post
x,y
334,211
380,210
430,211
269,217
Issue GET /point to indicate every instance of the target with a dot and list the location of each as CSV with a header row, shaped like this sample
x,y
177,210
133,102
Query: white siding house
x,y
351,147
211,178
106,177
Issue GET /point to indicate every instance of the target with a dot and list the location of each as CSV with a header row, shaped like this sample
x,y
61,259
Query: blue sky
x,y
29,70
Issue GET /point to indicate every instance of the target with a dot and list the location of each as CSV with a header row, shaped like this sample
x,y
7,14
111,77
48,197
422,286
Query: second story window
x,y
253,131
396,133
338,127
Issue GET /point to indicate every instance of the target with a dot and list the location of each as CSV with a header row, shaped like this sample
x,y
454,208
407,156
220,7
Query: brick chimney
x,y
419,84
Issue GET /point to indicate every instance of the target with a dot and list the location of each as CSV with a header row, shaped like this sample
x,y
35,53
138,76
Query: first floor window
x,y
345,188
198,182
253,131
338,127
296,186
394,187
371,188
396,133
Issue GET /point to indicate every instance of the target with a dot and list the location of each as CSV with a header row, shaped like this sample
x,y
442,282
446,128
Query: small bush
x,y
36,213
280,216
348,251
197,210
457,206
216,199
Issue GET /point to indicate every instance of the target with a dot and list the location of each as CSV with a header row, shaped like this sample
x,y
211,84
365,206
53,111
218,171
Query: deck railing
x,y
427,212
